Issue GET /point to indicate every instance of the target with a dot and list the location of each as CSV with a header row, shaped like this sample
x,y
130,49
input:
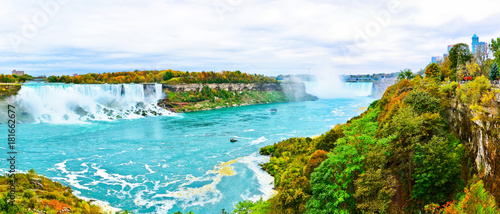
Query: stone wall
x,y
481,139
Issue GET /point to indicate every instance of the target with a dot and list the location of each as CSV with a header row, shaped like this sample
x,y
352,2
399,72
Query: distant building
x,y
436,59
479,47
18,73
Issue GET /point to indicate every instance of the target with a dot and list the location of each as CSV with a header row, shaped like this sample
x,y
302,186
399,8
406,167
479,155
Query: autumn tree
x,y
473,68
433,71
316,159
445,70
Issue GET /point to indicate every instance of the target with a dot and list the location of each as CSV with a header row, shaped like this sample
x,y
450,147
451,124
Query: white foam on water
x,y
113,179
258,141
250,130
72,177
149,169
338,112
165,206
129,163
242,137
199,196
80,103
265,180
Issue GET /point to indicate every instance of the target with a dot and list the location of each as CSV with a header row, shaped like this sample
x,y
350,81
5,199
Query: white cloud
x,y
257,36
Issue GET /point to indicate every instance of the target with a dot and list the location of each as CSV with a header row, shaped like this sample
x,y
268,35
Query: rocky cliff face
x,y
293,90
379,87
296,91
481,139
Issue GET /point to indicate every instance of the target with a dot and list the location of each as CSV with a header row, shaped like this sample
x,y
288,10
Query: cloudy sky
x,y
255,36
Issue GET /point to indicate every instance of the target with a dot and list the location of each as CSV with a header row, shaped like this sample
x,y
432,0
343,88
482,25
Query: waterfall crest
x,y
335,88
70,103
360,89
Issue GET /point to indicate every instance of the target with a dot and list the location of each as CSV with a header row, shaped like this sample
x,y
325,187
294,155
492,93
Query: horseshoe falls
x,y
334,88
358,88
107,144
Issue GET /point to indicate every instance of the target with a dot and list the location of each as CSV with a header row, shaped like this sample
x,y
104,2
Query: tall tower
x,y
475,41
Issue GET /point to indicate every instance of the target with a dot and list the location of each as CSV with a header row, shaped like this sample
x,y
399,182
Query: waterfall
x,y
360,89
334,88
69,103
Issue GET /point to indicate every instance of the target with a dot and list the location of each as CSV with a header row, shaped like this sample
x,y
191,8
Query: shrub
x,y
422,101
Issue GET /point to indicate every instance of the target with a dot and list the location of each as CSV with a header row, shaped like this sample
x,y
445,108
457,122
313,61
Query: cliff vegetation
x,y
429,145
37,194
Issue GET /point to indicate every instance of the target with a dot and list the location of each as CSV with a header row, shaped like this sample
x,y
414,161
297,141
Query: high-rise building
x,y
436,59
479,47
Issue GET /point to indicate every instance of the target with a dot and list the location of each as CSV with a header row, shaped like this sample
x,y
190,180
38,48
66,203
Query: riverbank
x,y
200,97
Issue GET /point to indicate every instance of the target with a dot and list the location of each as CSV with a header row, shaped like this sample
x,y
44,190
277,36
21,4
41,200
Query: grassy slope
x,y
37,194
9,90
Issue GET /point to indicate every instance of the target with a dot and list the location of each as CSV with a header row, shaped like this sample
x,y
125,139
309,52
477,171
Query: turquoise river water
x,y
179,162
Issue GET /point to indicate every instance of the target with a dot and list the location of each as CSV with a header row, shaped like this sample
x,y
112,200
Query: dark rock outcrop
x,y
379,87
37,182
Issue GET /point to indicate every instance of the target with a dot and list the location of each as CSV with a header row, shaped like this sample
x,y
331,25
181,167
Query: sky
x,y
271,37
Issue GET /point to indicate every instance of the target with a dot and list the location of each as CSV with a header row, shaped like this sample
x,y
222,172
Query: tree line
x,y
163,76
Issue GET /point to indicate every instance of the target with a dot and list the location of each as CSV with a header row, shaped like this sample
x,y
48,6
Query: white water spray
x,y
72,103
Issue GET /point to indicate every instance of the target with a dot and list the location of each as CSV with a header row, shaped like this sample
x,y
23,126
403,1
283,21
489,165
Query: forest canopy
x,y
164,76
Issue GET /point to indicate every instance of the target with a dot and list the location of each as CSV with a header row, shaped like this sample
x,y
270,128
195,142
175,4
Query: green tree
x,y
495,47
376,185
335,181
494,75
437,170
459,54
249,207
327,141
422,101
406,74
